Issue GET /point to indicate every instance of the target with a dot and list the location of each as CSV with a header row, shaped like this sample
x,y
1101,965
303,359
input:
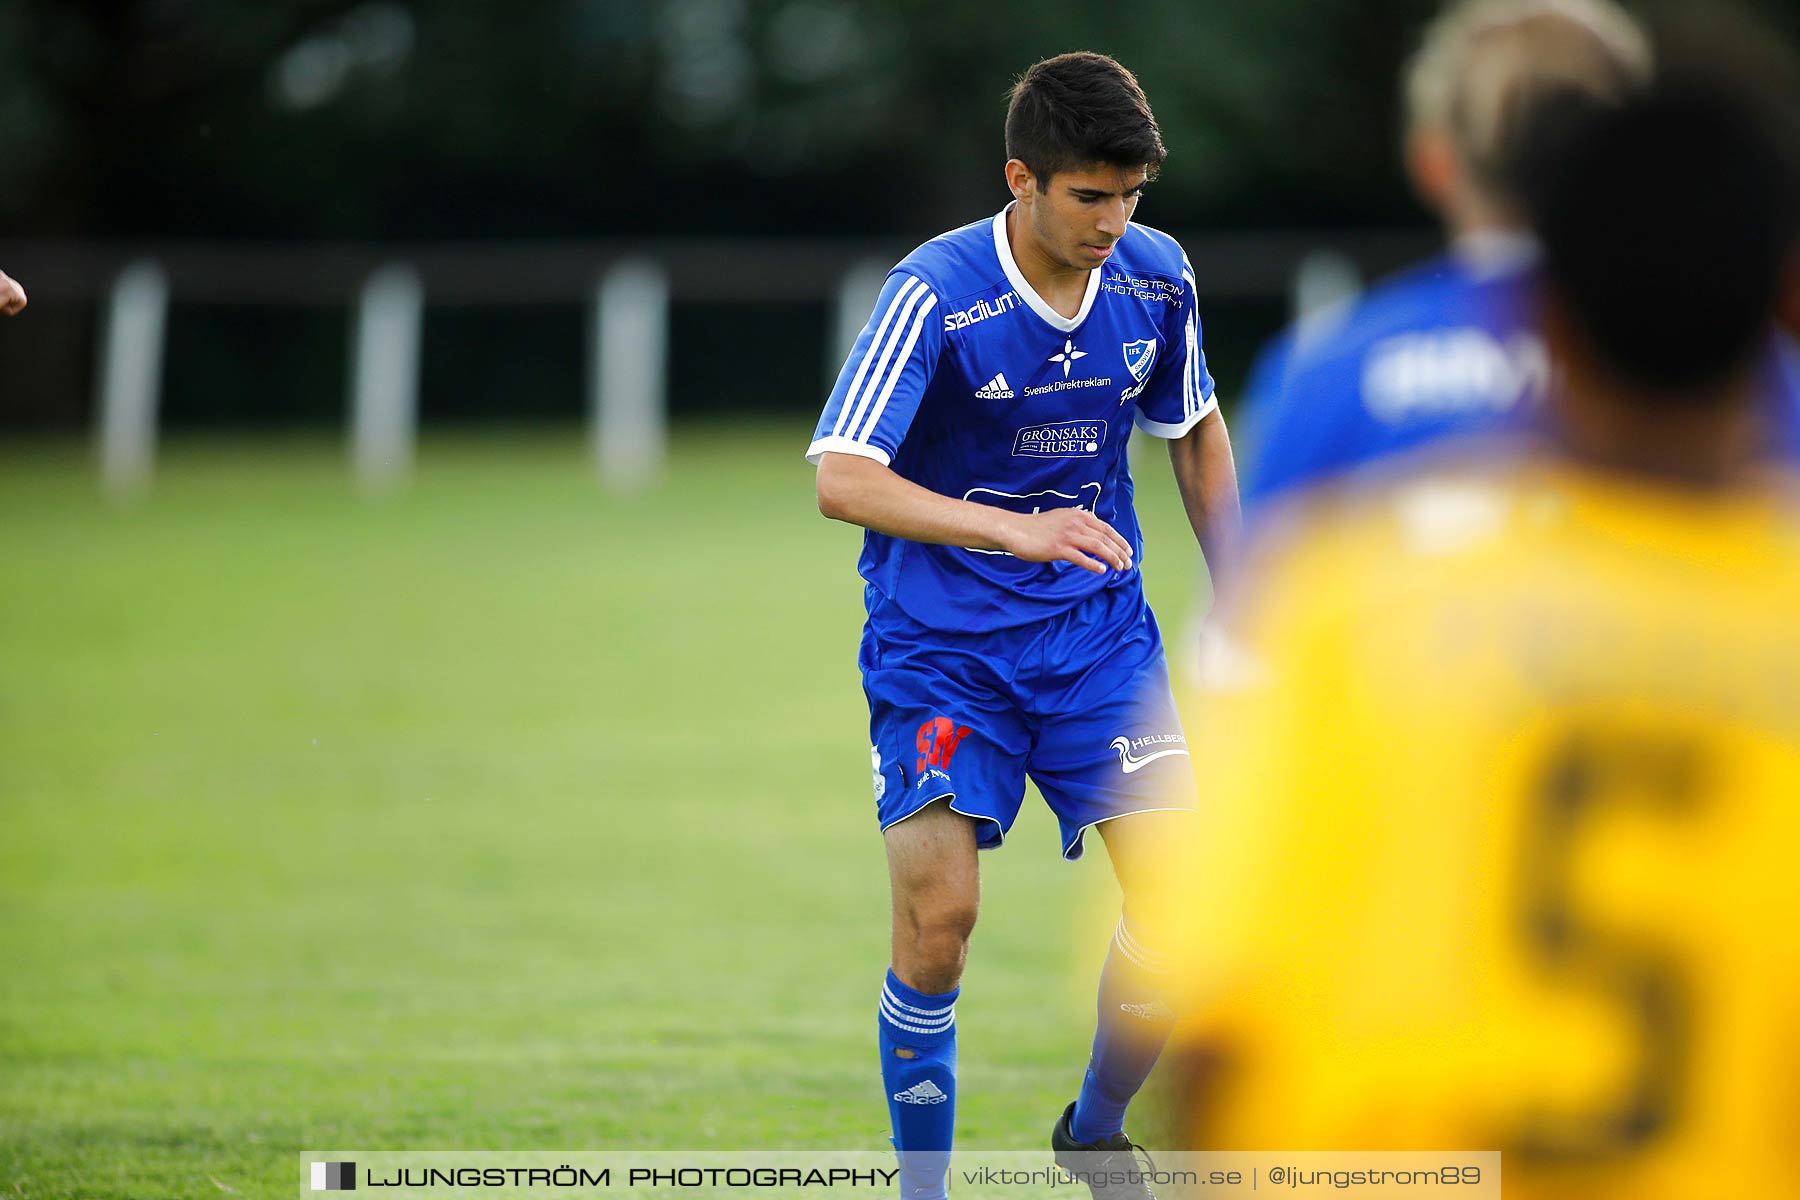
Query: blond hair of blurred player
x,y
1503,801
1478,65
12,296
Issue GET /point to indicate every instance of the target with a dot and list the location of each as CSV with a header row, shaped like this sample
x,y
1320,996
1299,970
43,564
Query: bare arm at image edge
x,y
12,296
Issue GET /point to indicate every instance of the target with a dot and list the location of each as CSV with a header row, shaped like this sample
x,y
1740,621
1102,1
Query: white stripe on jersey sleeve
x,y
1194,406
1190,380
1163,429
918,291
862,368
912,339
844,445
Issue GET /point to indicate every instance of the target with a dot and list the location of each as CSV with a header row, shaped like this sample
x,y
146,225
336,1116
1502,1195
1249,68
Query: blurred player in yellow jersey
x,y
1503,798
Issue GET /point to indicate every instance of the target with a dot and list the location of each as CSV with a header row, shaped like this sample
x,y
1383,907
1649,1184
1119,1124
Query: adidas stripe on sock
x,y
917,1036
1134,1024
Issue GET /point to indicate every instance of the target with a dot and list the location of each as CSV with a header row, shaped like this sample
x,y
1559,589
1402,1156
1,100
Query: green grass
x,y
493,814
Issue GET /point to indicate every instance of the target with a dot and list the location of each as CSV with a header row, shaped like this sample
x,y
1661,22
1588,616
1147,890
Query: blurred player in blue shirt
x,y
1450,346
978,433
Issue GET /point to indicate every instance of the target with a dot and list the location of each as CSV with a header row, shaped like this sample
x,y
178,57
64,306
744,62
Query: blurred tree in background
x,y
440,119
383,118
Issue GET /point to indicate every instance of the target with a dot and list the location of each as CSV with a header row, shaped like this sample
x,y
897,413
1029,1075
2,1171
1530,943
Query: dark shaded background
x,y
307,121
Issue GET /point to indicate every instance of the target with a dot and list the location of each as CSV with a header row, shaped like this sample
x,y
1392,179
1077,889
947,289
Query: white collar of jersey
x,y
1486,252
1027,293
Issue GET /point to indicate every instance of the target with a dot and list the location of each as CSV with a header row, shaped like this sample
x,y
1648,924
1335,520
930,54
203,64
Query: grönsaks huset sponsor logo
x,y
1060,439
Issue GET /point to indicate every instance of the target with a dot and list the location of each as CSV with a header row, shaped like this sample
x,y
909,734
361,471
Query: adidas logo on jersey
x,y
997,389
1154,1011
922,1093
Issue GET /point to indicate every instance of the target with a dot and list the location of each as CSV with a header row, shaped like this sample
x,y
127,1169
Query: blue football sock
x,y
918,1072
1135,1020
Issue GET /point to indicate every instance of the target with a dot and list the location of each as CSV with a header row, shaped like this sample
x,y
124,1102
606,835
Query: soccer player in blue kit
x,y
1451,346
978,433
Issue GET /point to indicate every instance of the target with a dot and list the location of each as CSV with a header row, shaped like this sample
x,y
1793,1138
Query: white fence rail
x,y
627,287
384,385
630,387
130,375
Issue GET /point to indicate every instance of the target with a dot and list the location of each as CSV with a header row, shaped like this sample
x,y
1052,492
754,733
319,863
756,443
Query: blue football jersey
x,y
967,383
1447,348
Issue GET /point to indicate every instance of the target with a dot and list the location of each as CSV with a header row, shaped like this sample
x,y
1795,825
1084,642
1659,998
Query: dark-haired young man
x,y
978,432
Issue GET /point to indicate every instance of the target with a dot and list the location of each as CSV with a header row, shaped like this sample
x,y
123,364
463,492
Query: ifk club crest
x,y
1139,358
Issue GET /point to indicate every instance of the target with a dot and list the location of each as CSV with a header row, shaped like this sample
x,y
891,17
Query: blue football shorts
x,y
1080,702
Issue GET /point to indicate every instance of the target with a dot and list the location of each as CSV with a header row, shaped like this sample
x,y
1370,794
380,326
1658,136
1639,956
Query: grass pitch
x,y
492,814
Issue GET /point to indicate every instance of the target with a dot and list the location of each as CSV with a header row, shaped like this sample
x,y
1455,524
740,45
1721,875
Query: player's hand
x,y
12,296
1068,535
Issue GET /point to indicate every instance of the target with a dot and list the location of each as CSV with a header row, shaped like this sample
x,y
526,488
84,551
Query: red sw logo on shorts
x,y
938,739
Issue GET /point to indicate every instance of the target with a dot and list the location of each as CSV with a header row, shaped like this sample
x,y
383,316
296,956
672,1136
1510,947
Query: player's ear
x,y
1019,180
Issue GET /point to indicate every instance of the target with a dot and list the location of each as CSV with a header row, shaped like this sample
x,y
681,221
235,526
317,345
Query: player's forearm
x,y
862,492
1207,476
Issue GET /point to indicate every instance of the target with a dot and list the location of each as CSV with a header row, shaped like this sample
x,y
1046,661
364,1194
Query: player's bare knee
x,y
1153,858
931,937
931,960
938,912
946,924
